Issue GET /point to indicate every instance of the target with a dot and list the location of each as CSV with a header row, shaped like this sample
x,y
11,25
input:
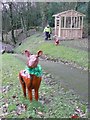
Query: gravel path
x,y
69,77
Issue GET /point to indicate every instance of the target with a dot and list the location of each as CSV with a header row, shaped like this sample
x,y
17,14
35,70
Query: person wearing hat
x,y
47,31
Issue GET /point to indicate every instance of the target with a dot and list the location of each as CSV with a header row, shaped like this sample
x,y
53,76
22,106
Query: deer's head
x,y
32,59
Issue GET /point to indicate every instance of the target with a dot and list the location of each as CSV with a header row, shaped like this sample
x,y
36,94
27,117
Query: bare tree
x,y
12,25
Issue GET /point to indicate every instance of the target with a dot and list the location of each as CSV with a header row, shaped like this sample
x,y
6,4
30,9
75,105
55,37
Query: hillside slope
x,y
72,52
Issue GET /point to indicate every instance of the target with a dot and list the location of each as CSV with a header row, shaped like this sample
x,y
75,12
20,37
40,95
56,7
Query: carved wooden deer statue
x,y
31,77
56,41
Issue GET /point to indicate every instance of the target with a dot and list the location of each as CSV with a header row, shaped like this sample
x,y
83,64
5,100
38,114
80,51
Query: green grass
x,y
62,103
31,43
63,52
12,107
66,53
13,96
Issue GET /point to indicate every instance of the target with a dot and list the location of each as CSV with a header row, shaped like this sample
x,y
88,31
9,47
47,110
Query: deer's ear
x,y
27,53
39,53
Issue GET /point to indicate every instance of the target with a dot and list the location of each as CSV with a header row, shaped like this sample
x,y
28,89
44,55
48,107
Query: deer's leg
x,y
36,94
37,88
23,85
24,89
30,94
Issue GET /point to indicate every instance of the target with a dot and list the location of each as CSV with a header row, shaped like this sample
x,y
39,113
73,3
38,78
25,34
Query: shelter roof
x,y
69,13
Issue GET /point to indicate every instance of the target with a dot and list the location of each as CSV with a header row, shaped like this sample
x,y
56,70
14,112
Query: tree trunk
x,y
28,14
2,37
11,18
44,11
23,25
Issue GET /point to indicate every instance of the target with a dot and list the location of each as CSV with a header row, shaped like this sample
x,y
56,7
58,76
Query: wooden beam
x,y
59,27
76,21
55,26
82,27
82,22
65,22
71,21
79,21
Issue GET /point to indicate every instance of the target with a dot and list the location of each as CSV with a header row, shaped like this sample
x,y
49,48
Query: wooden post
x,y
59,27
76,22
65,22
65,31
82,22
55,25
71,25
82,27
71,21
79,21
76,26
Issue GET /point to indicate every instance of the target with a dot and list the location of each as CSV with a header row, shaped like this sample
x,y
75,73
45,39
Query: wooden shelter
x,y
69,24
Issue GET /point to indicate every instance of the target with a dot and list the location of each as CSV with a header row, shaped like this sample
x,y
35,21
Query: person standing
x,y
47,31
